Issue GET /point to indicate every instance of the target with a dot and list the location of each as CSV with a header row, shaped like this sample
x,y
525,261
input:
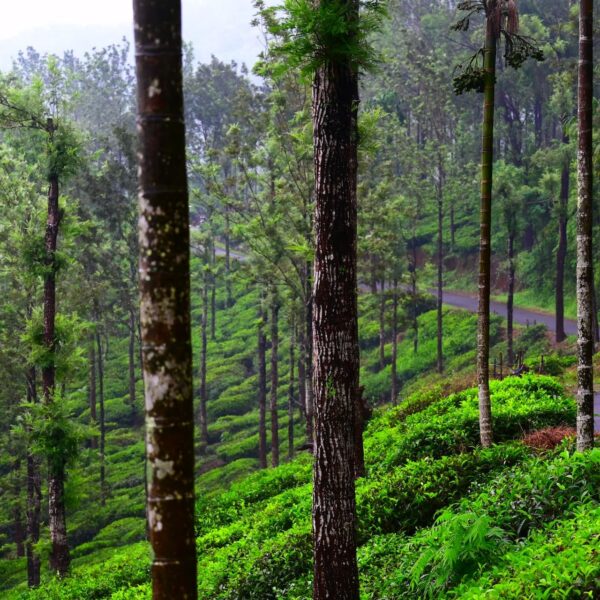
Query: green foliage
x,y
316,34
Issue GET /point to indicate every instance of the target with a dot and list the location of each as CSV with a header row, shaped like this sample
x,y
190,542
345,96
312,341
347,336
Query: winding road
x,y
521,316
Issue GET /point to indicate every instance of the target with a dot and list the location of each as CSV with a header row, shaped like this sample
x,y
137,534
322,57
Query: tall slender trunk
x,y
92,396
274,381
99,351
18,525
203,357
308,362
213,294
561,253
382,299
452,226
301,371
440,265
59,554
34,496
585,272
132,398
413,278
228,258
487,157
335,328
291,395
165,298
394,392
510,301
262,389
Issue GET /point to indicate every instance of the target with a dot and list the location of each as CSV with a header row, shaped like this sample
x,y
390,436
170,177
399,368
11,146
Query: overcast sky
x,y
219,27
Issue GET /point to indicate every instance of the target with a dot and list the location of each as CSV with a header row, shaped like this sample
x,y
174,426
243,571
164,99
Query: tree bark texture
x,y
487,157
335,329
164,240
585,272
92,392
132,399
394,392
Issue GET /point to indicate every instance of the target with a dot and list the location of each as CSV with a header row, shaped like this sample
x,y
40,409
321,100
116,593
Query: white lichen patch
x,y
154,89
164,468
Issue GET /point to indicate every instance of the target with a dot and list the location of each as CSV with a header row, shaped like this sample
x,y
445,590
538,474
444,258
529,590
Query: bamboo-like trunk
x,y
335,328
274,381
585,272
487,157
165,298
561,253
262,389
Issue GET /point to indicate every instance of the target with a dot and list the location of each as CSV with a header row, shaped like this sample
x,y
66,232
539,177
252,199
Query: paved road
x,y
522,316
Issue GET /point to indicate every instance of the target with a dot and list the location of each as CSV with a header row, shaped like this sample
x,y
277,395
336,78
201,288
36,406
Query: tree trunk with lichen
x,y
335,329
561,252
203,357
585,271
165,298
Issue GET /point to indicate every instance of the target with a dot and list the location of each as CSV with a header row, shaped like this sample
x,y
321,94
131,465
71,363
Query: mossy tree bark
x,y
164,238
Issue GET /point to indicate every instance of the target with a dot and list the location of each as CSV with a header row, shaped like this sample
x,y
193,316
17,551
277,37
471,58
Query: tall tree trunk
x,y
203,357
452,226
440,265
382,325
308,362
92,397
165,298
34,497
59,554
301,371
228,258
213,293
19,528
510,301
394,392
99,351
413,278
335,328
487,157
561,253
585,273
274,381
262,389
132,398
291,395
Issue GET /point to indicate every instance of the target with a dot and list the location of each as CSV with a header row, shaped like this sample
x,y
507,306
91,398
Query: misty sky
x,y
219,27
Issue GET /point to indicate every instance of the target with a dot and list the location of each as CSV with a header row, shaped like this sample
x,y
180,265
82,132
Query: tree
x,y
585,272
165,297
501,20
